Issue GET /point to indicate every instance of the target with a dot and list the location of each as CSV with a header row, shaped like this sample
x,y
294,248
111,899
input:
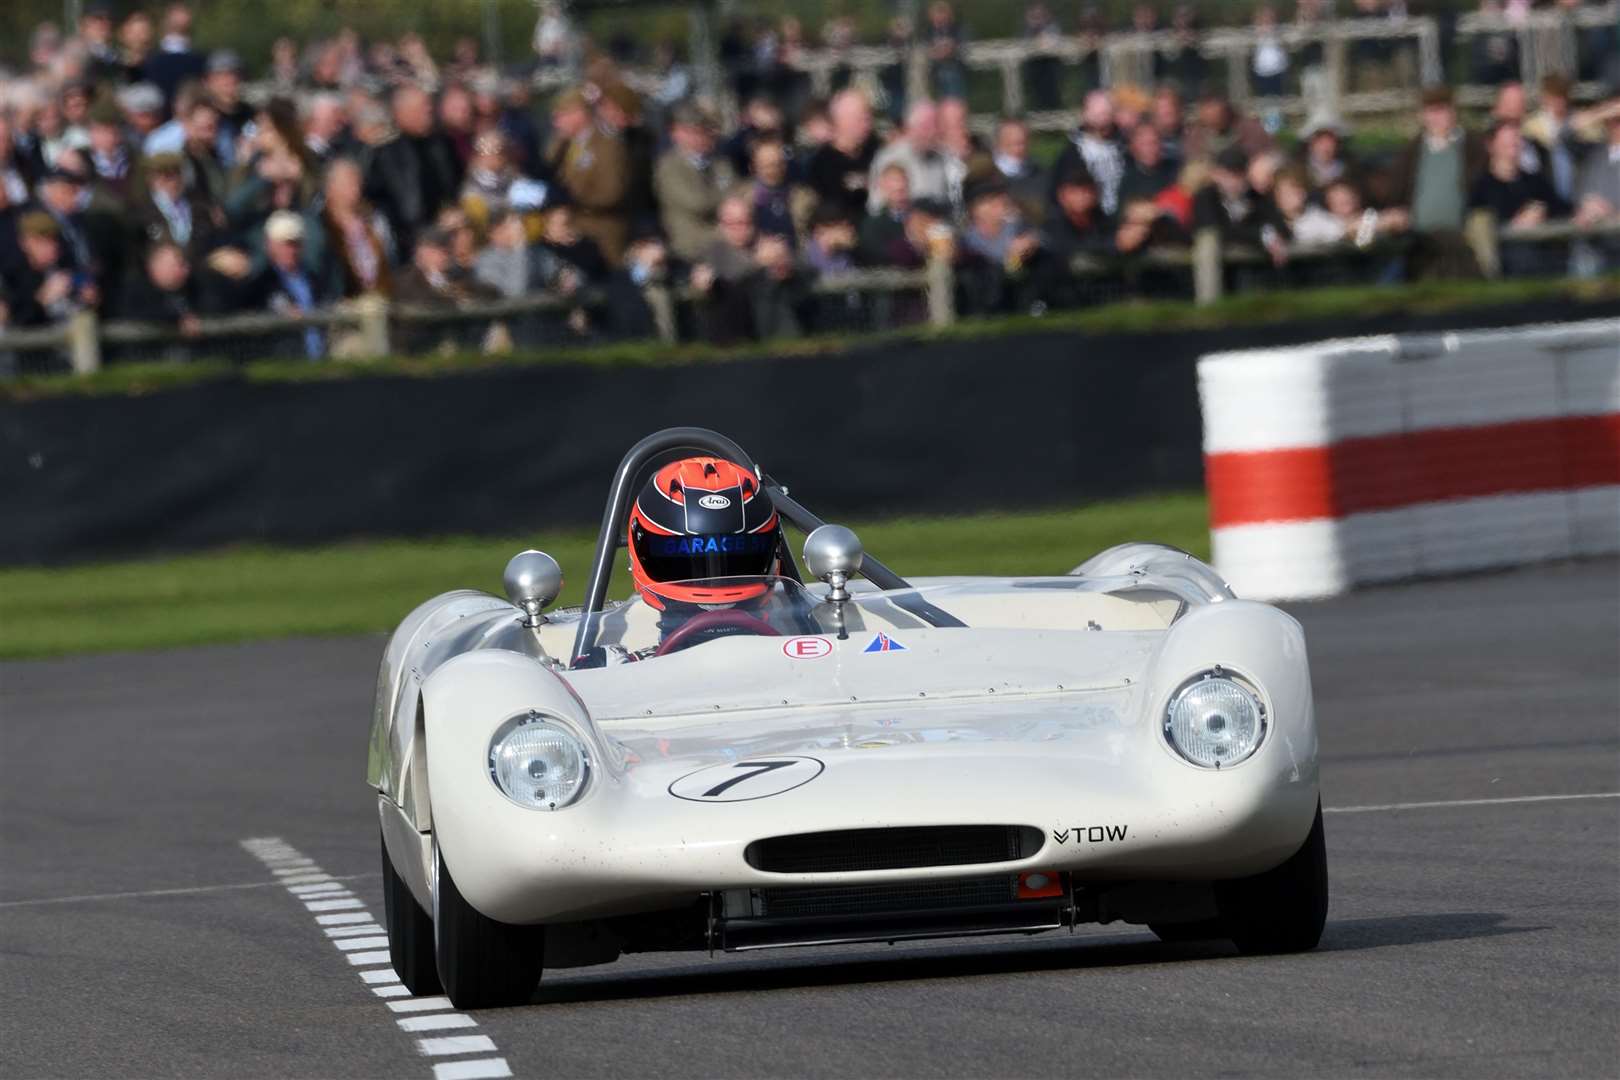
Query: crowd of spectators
x,y
137,179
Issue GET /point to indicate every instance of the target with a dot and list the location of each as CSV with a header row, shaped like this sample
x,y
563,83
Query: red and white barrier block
x,y
1376,459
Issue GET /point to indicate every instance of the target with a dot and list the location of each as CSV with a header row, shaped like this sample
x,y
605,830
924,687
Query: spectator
x,y
509,265
1433,177
882,236
89,228
96,36
44,286
224,86
778,292
434,280
165,292
1550,129
283,283
1299,222
830,246
1216,126
554,39
892,77
730,257
176,62
578,254
619,113
1512,107
690,182
1494,52
350,233
771,196
326,127
207,171
1079,226
456,122
1324,159
1043,72
839,171
963,153
1515,197
1026,181
1268,64
917,152
1095,145
166,213
1006,248
110,156
761,122
1166,116
415,173
943,40
1183,64
1227,204
1597,196
142,106
135,38
493,185
593,167
1147,172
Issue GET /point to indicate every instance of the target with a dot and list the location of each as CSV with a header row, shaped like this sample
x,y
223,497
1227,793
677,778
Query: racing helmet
x,y
697,520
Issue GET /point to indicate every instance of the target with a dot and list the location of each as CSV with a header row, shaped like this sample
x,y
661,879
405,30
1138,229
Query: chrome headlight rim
x,y
556,723
1245,683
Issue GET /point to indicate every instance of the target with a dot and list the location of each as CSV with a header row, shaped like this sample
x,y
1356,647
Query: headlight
x,y
537,763
1215,719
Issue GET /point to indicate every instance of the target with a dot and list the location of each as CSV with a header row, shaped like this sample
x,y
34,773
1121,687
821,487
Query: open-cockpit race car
x,y
749,760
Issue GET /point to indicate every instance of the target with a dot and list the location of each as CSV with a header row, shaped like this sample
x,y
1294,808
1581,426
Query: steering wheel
x,y
712,624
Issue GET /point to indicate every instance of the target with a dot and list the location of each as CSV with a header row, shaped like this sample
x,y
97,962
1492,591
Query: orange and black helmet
x,y
698,521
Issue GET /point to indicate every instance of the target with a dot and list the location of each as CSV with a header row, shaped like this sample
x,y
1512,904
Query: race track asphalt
x,y
138,937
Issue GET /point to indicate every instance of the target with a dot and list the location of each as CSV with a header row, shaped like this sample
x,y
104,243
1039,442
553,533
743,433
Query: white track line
x,y
360,940
1468,802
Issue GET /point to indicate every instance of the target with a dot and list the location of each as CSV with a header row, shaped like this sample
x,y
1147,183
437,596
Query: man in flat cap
x,y
592,165
1431,179
167,212
43,287
691,180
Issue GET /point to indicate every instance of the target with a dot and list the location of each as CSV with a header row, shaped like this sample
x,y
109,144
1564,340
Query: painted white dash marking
x,y
455,1044
355,933
436,1022
477,1069
333,905
346,917
357,930
421,1004
350,944
1469,802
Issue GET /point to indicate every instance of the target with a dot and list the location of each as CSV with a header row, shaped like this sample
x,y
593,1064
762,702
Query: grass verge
x,y
251,593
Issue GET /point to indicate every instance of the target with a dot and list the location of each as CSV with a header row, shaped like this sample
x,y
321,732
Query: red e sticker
x,y
806,648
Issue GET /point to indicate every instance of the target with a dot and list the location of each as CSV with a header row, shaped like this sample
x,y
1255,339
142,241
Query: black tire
x,y
1176,933
410,933
1284,909
482,963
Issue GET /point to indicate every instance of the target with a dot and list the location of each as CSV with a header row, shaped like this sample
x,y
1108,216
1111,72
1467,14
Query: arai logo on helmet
x,y
714,502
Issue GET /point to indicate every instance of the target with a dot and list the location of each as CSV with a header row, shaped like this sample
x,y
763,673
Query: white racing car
x,y
768,762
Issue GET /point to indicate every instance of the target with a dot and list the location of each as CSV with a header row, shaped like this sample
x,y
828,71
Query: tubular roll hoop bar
x,y
658,449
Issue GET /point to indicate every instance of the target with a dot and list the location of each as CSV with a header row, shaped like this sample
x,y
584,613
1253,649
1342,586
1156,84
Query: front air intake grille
x,y
893,849
910,896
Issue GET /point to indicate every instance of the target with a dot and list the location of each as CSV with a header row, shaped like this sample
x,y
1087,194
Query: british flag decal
x,y
884,643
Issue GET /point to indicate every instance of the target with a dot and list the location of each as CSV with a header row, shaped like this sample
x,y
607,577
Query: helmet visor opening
x,y
705,555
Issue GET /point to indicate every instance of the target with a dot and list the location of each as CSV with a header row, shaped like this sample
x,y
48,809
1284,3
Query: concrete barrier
x,y
1376,459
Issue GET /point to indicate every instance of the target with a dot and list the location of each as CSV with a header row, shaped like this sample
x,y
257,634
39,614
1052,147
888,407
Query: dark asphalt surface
x,y
1471,941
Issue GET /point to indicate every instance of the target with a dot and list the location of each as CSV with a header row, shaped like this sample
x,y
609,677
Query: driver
x,y
698,522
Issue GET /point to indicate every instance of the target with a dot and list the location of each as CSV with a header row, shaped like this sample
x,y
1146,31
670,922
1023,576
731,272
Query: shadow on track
x,y
742,976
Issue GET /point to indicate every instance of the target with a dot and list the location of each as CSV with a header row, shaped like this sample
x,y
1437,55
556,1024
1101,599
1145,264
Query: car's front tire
x,y
1284,909
410,933
482,963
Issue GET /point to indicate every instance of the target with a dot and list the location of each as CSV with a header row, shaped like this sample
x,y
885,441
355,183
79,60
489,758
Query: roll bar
x,y
660,448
